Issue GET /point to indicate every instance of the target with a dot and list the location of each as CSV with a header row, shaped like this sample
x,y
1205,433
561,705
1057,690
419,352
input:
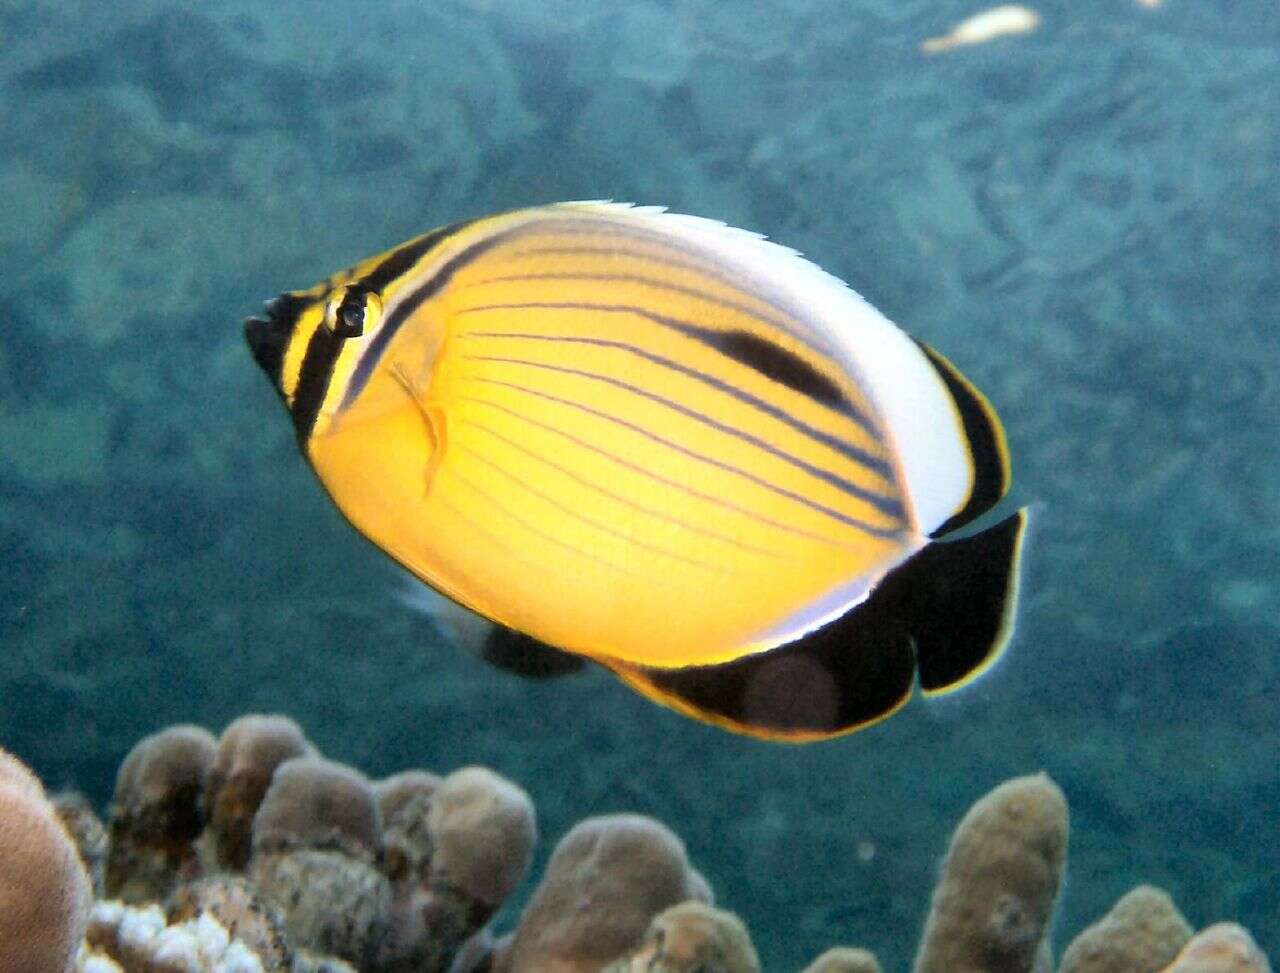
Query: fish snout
x,y
269,337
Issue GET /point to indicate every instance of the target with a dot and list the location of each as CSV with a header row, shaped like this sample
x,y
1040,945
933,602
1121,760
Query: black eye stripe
x,y
313,379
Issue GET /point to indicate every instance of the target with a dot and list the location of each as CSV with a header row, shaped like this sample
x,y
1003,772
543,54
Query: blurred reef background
x,y
1085,218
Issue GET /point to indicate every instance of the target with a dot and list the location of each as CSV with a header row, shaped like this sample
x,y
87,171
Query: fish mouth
x,y
269,337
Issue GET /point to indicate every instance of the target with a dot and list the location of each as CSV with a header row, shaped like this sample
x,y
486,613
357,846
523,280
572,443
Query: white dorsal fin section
x,y
918,411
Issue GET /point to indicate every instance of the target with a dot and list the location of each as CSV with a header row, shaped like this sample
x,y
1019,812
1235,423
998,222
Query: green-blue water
x,y
1086,219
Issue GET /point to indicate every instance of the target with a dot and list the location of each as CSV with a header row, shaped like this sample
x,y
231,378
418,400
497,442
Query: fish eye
x,y
350,311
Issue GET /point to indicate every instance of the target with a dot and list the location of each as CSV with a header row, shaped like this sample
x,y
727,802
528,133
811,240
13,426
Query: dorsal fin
x,y
984,436
909,391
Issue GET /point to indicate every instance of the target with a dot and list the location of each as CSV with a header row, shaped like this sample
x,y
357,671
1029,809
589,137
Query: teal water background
x,y
1085,219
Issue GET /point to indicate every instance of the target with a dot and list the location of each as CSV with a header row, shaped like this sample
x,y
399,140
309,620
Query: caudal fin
x,y
946,613
962,597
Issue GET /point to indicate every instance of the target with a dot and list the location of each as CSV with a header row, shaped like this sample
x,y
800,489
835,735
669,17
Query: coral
x,y
157,815
404,801
44,891
843,959
249,751
138,940
403,877
400,789
1222,948
627,867
234,902
456,854
483,828
306,962
1141,934
316,839
999,882
692,938
333,904
318,803
86,830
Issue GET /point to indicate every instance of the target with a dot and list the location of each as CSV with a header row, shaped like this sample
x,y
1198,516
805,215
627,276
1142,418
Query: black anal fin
x,y
852,672
525,656
948,611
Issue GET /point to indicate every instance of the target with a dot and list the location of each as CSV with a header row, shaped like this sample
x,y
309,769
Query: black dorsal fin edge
x,y
984,438
946,613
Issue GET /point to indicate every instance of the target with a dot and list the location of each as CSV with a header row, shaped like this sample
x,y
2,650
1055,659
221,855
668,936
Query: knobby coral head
x,y
39,933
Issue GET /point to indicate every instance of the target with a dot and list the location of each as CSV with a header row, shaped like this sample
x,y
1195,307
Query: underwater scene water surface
x,y
1082,213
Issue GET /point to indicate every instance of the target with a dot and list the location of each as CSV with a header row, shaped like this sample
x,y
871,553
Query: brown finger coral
x,y
1222,948
1141,934
843,959
692,937
316,841
86,830
404,801
456,852
136,939
606,880
399,790
249,751
157,814
999,882
236,905
483,828
44,892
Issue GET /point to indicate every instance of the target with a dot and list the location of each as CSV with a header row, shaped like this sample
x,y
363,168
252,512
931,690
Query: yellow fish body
x,y
665,445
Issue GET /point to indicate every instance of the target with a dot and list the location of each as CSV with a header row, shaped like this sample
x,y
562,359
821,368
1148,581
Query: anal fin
x,y
851,673
947,612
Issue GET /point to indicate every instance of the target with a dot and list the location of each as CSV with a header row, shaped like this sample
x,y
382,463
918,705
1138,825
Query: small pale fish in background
x,y
988,25
1150,4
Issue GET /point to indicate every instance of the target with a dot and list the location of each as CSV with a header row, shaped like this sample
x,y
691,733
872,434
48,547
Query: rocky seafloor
x,y
252,853
1084,218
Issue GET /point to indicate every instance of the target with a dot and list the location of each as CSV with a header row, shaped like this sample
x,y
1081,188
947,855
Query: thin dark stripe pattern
x,y
462,516
736,306
654,476
842,446
402,259
710,337
574,514
411,302
617,497
814,338
836,515
539,532
604,226
887,505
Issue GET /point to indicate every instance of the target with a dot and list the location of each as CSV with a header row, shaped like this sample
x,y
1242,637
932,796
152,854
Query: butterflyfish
x,y
666,446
